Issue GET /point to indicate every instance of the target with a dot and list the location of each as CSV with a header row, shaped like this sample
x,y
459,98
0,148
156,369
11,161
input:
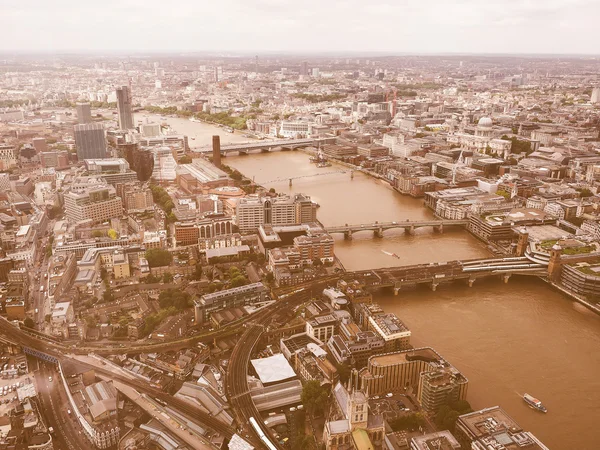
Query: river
x,y
507,339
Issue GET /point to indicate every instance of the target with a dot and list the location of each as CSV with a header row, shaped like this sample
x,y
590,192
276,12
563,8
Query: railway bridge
x,y
266,146
435,274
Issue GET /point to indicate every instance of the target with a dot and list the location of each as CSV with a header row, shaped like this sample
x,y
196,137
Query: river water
x,y
507,339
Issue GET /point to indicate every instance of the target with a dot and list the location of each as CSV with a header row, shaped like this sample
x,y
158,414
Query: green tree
x,y
185,159
167,277
157,257
28,322
314,397
585,192
197,275
174,298
450,421
343,372
108,296
270,277
91,321
239,280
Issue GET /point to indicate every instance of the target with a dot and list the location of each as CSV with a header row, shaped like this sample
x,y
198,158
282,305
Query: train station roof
x,y
273,369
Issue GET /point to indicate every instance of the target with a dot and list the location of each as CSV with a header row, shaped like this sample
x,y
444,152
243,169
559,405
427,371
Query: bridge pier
x,y
265,150
471,281
352,174
410,230
347,234
290,182
439,228
434,286
378,232
505,278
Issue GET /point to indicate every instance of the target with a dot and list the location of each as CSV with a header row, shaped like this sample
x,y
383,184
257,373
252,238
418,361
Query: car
x,y
50,379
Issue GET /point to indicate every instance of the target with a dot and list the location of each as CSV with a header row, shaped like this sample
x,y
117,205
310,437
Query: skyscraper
x,y
124,107
90,141
304,68
595,95
84,113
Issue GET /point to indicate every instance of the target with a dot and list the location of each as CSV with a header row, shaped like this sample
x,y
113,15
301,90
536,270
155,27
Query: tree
x,y
343,372
174,298
450,421
91,321
270,277
168,277
97,234
585,192
157,257
197,275
185,159
314,397
28,322
302,441
54,212
108,296
272,190
239,280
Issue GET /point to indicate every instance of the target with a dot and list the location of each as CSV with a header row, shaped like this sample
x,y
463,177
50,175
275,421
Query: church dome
x,y
485,122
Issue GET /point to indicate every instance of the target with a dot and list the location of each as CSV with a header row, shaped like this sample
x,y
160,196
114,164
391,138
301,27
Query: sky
x,y
302,26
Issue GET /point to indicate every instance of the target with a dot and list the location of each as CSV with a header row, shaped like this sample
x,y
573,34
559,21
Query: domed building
x,y
484,140
484,127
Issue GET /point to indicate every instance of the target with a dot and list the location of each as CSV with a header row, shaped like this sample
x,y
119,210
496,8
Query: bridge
x,y
379,227
267,145
321,174
434,274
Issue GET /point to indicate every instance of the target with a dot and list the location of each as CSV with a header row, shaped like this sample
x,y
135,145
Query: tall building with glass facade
x,y
90,141
125,108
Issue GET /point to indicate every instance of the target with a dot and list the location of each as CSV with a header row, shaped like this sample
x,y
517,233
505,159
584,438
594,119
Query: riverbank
x,y
573,296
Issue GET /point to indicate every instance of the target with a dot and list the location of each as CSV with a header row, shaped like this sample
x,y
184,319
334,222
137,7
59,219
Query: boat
x,y
324,164
193,119
391,254
534,403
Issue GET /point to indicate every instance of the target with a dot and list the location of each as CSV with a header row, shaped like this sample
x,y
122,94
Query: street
x,y
68,434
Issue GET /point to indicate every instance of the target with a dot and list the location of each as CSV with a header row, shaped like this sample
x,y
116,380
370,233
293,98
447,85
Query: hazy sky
x,y
393,26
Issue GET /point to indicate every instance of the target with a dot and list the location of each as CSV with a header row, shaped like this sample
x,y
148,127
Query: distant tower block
x,y
217,151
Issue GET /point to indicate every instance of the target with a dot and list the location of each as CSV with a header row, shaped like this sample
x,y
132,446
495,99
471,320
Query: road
x,y
67,432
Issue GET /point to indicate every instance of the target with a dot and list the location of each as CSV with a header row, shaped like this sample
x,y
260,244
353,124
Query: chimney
x,y
217,151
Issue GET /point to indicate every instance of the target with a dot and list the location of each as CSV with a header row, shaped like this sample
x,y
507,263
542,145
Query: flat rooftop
x,y
390,359
488,421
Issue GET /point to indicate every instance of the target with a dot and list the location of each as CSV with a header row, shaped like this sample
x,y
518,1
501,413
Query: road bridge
x,y
266,146
409,226
435,274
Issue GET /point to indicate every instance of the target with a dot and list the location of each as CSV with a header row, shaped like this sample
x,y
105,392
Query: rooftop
x,y
389,359
273,369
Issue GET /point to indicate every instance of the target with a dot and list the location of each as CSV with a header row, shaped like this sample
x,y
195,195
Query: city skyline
x,y
267,26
